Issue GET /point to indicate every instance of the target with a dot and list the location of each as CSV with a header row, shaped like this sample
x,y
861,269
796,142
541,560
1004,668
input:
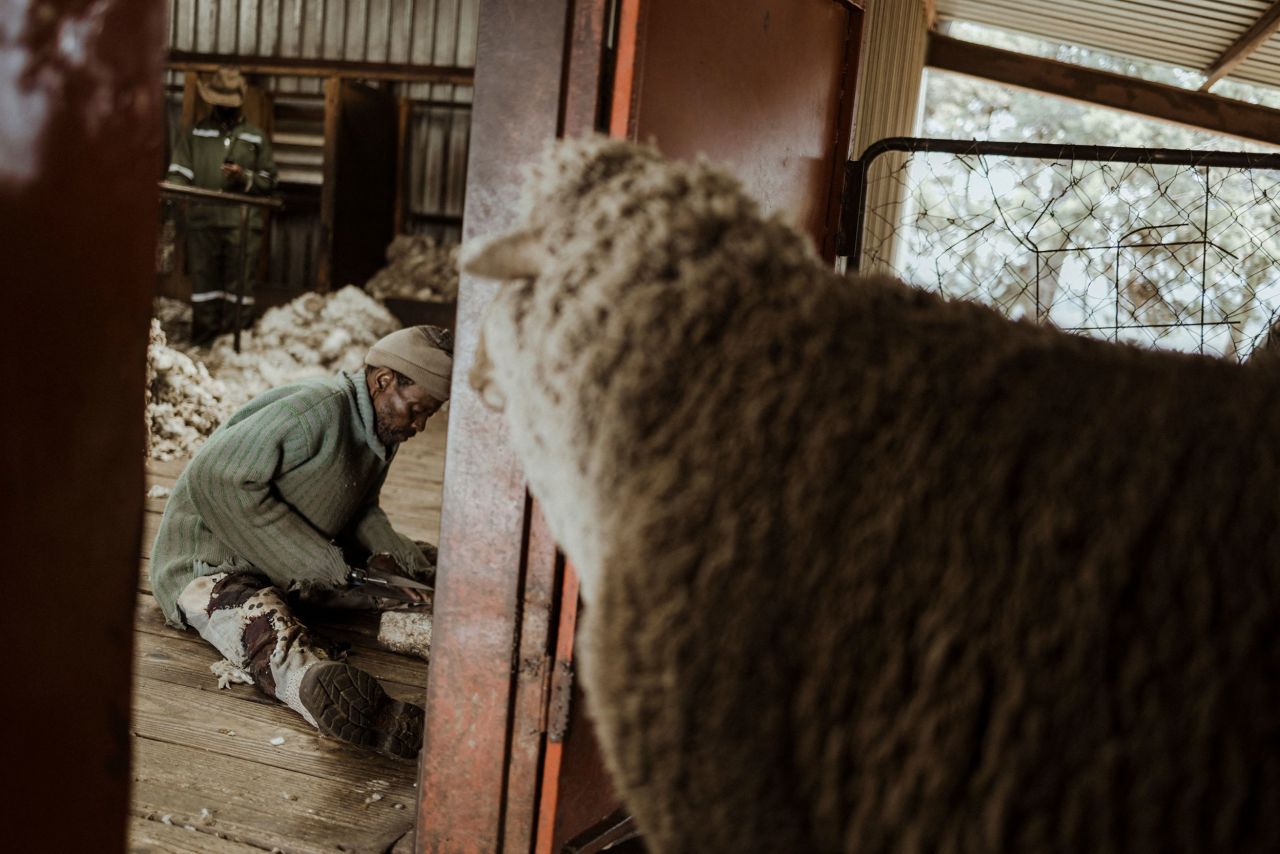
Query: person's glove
x,y
432,556
387,563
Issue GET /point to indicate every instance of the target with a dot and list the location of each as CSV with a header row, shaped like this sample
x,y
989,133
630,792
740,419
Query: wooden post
x,y
324,260
404,197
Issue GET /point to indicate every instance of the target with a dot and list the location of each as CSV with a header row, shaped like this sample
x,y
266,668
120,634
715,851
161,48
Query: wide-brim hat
x,y
223,88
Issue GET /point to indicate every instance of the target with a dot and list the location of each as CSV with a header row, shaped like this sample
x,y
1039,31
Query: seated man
x,y
260,510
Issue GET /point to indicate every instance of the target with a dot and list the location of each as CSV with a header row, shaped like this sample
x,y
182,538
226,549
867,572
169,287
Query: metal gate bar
x,y
960,226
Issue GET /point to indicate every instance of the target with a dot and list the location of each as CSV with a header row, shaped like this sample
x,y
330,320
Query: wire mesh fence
x,y
1156,247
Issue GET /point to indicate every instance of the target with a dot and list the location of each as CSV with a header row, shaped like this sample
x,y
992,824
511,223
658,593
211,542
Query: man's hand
x,y
384,562
234,176
411,597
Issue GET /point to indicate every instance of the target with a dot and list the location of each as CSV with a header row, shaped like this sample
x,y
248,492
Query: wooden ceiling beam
x,y
1105,89
1252,39
179,60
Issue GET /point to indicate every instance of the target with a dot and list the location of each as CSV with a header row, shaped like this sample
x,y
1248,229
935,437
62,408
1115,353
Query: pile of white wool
x,y
315,335
184,404
418,267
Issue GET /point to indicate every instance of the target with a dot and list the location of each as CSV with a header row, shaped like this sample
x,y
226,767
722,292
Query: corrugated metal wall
x,y
392,32
418,32
894,39
440,137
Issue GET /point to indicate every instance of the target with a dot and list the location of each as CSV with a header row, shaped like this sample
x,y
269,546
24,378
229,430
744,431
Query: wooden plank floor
x,y
206,776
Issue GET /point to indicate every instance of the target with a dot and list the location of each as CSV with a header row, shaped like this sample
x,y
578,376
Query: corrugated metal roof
x,y
1191,33
419,32
1262,66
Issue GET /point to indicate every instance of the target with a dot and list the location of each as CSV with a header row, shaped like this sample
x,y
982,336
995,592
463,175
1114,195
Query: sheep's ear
x,y
516,255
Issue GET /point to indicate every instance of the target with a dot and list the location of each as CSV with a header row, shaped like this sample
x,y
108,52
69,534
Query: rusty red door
x,y
765,87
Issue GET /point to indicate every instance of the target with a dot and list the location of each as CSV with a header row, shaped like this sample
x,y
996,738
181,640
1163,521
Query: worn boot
x,y
253,626
349,704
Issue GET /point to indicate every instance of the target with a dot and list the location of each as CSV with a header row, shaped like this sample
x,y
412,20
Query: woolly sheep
x,y
866,570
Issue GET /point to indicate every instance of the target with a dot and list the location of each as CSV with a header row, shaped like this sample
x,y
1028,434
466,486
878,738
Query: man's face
x,y
226,115
400,413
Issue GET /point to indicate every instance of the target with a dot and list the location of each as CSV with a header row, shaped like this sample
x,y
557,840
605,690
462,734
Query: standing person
x,y
275,505
222,152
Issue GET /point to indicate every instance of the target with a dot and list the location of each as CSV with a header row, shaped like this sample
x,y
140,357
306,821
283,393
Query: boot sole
x,y
349,704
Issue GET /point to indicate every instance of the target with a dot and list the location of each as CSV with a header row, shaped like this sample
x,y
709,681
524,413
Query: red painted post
x,y
465,754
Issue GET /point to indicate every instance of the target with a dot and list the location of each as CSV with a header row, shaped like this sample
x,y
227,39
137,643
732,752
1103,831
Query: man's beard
x,y
387,435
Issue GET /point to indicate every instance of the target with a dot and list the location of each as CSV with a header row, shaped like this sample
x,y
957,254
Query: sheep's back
x,y
941,580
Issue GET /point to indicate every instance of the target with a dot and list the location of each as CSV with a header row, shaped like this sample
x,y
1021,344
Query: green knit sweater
x,y
295,468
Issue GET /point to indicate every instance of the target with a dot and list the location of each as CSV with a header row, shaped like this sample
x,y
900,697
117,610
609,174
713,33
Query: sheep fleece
x,y
868,570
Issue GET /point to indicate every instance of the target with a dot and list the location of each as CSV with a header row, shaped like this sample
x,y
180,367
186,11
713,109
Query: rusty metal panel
x,y
558,711
757,84
470,689
81,142
532,684
585,790
584,80
577,792
623,101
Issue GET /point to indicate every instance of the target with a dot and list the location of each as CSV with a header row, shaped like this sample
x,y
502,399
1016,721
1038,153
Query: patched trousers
x,y
251,624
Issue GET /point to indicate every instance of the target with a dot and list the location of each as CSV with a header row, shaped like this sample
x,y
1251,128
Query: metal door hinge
x,y
559,701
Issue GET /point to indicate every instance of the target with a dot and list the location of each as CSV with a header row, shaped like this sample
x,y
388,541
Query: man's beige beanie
x,y
411,352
